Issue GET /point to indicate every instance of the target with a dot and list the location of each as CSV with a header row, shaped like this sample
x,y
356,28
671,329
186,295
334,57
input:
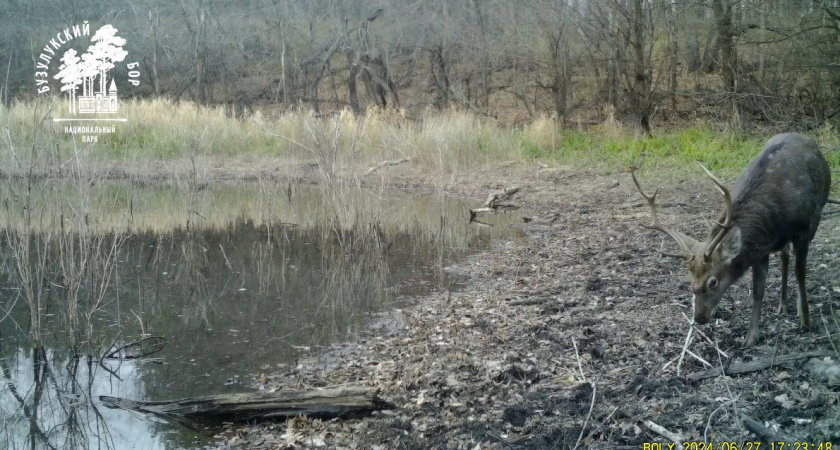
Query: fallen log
x,y
756,365
325,403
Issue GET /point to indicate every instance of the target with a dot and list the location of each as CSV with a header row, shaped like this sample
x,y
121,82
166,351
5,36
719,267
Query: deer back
x,y
780,195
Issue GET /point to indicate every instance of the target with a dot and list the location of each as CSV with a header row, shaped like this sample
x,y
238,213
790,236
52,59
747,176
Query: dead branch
x,y
492,203
763,433
755,366
138,349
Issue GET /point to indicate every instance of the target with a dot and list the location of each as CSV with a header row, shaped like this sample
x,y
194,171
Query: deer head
x,y
709,263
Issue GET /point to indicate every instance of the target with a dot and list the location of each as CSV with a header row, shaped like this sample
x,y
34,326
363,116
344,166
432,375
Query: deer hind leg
x,y
800,249
784,255
759,272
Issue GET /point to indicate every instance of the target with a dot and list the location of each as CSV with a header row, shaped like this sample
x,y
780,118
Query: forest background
x,y
748,65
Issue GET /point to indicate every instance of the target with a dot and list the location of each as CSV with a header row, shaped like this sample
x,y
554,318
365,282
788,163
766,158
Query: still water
x,y
162,292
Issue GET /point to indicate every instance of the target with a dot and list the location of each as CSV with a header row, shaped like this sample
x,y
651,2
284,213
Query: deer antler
x,y
686,243
727,221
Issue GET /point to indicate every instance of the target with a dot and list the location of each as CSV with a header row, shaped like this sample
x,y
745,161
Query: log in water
x,y
324,403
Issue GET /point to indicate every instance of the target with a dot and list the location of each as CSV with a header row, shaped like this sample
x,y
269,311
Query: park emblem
x,y
83,67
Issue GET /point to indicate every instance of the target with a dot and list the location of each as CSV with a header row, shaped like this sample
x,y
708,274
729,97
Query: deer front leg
x,y
784,255
759,272
800,249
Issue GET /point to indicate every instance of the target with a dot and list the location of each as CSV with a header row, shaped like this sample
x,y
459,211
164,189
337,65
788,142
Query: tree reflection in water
x,y
231,298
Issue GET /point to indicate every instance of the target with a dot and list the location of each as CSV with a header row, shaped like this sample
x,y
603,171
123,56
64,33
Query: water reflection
x,y
236,279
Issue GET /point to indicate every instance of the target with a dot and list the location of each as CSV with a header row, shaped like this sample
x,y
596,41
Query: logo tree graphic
x,y
89,72
70,74
107,51
97,61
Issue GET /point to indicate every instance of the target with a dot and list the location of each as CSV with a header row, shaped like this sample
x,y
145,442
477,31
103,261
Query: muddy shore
x,y
571,336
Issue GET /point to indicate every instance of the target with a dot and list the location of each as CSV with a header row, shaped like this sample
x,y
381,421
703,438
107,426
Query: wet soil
x,y
571,336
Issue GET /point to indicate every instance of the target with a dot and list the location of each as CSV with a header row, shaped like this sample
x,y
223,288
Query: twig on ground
x,y
660,430
601,425
698,358
836,325
703,335
709,422
588,415
688,338
732,397
499,438
577,356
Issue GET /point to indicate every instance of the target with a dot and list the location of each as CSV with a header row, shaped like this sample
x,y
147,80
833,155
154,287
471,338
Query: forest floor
x,y
571,337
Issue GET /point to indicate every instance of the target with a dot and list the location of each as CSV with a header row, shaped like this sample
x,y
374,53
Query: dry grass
x,y
449,143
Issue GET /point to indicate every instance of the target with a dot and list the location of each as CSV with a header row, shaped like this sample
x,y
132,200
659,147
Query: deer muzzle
x,y
702,311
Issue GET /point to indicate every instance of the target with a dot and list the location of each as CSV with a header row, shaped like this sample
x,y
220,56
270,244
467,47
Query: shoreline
x,y
562,339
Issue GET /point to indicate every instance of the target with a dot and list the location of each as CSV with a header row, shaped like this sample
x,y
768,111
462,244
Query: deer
x,y
777,201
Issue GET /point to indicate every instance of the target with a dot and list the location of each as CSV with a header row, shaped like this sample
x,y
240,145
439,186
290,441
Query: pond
x,y
178,289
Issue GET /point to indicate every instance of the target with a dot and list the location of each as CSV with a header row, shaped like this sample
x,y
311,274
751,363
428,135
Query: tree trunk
x,y
612,65
352,87
561,77
439,80
729,57
641,80
154,22
674,53
485,62
728,60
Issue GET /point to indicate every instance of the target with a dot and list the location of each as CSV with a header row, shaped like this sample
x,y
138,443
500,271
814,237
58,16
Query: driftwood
x,y
386,163
326,403
492,203
754,366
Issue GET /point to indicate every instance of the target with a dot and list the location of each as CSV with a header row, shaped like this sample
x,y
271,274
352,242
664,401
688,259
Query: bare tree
x,y
729,56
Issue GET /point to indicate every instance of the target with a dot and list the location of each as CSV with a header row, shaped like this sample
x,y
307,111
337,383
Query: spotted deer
x,y
777,201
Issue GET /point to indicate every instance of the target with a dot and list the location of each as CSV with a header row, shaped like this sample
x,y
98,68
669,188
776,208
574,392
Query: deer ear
x,y
731,244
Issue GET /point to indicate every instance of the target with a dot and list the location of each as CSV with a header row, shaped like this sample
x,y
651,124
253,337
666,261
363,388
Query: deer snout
x,y
702,311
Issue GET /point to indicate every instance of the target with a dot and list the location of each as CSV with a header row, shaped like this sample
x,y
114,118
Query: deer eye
x,y
712,283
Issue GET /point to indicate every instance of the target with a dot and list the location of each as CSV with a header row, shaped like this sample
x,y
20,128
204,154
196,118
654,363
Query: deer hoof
x,y
752,339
